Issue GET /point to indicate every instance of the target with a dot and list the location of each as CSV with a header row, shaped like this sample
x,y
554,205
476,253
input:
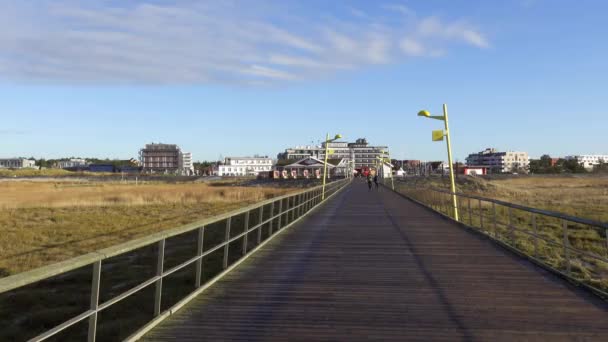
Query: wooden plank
x,y
372,265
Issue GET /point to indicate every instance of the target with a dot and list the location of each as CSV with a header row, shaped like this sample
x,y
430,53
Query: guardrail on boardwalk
x,y
161,272
574,247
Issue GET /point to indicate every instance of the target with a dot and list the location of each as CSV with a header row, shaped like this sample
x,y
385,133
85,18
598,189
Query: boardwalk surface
x,y
374,266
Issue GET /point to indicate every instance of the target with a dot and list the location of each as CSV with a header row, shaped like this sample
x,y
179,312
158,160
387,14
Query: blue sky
x,y
242,77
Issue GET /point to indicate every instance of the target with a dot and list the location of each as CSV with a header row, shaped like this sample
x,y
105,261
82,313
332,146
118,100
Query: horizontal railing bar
x,y
127,293
63,326
529,209
41,273
522,230
96,256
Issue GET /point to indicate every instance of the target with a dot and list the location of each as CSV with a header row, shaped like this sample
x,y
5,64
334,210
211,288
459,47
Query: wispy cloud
x,y
400,8
170,42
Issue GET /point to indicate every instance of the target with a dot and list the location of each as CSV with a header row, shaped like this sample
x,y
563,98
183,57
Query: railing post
x,y
535,230
159,273
279,223
261,225
227,245
199,252
292,206
494,217
246,230
480,215
470,213
94,300
270,226
511,228
606,232
566,247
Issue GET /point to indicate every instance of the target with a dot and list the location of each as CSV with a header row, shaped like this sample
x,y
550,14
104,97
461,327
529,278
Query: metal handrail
x,y
301,203
555,214
443,207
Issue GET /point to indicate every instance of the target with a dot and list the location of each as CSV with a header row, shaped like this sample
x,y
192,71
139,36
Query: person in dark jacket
x,y
376,180
369,181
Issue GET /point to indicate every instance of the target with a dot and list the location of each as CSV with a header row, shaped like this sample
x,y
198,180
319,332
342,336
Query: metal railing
x,y
274,214
574,247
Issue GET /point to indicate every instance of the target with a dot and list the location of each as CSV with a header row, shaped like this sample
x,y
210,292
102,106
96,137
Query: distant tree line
x,y
545,165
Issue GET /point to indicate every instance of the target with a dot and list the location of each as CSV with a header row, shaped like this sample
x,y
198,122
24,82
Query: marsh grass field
x,y
42,222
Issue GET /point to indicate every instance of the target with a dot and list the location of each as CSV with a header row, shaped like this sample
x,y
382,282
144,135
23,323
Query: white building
x,y
588,161
186,166
74,162
500,162
17,163
360,152
244,166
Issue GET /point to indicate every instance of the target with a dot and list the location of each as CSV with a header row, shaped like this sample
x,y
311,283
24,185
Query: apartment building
x,y
588,161
500,162
359,154
74,162
17,163
244,166
186,166
160,158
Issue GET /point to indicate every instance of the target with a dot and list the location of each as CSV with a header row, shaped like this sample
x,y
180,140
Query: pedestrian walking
x,y
369,181
376,180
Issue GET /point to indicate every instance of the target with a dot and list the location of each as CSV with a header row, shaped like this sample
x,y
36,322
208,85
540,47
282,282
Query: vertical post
x,y
452,181
606,232
494,216
566,247
511,228
480,215
199,253
535,230
246,230
325,165
279,223
470,213
260,225
292,205
227,245
159,273
271,222
94,300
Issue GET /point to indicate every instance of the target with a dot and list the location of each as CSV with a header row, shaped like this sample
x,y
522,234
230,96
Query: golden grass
x,y
46,222
580,196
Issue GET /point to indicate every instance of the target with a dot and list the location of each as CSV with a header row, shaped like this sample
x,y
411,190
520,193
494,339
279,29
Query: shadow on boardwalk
x,y
372,265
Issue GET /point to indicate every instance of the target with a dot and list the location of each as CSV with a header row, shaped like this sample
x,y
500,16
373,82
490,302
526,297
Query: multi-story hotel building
x,y
359,152
160,158
500,162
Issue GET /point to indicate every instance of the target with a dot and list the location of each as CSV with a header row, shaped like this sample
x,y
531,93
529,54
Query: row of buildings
x,y
343,159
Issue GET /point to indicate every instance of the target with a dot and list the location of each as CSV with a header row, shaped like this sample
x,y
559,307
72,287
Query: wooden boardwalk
x,y
374,266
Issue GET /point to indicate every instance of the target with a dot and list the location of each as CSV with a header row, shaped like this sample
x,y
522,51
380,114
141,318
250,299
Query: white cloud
x,y
433,27
169,42
412,47
399,8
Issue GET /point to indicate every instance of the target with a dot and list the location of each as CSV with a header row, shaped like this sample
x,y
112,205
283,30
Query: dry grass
x,y
45,222
580,196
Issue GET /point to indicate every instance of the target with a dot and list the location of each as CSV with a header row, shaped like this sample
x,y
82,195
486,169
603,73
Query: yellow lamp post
x,y
438,136
327,141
